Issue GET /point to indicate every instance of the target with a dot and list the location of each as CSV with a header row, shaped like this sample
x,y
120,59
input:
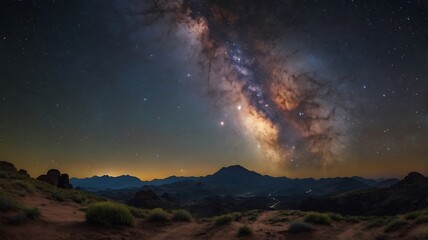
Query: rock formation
x,y
7,166
55,178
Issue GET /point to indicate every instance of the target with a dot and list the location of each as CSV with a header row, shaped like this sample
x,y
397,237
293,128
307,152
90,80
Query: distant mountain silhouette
x,y
409,194
98,183
235,186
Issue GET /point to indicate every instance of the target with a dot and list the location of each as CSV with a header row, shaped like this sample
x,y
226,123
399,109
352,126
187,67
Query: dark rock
x,y
54,173
64,181
7,166
52,180
24,172
55,178
146,199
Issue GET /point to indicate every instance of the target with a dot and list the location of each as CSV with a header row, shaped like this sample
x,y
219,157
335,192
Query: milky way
x,y
297,118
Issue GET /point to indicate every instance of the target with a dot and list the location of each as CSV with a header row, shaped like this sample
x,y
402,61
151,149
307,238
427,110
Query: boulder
x,y
55,178
7,166
64,181
24,172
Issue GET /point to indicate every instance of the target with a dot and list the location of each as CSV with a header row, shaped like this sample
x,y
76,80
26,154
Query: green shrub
x,y
138,212
376,222
244,231
58,196
415,214
32,213
298,226
353,219
251,215
157,215
317,218
421,219
335,216
7,203
181,215
223,219
109,214
394,225
236,216
77,198
19,218
421,234
26,186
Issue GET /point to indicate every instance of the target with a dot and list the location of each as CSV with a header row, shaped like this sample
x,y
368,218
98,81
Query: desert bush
x,y
138,212
32,213
58,196
394,225
335,216
7,203
157,215
19,218
353,219
251,215
181,215
109,214
223,219
236,216
318,218
376,222
12,175
298,226
421,219
78,198
244,231
421,234
415,214
26,186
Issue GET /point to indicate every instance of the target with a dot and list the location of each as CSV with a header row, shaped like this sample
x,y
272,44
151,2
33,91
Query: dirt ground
x,y
65,220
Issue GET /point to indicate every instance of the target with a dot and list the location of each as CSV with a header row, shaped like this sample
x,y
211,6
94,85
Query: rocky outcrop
x,y
55,178
7,166
23,172
409,194
10,167
146,199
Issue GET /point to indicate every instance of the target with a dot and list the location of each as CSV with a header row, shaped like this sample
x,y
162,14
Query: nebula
x,y
297,119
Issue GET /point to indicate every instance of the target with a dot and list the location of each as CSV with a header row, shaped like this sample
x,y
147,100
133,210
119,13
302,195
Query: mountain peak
x,y
414,177
234,169
235,172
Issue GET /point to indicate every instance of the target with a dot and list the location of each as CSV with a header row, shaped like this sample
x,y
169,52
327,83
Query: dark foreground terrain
x,y
34,209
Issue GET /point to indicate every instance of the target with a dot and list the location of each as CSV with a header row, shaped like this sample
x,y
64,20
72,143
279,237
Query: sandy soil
x,y
67,221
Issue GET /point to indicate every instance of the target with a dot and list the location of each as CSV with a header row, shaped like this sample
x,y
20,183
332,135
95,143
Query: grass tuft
x,y
244,231
298,226
335,216
416,214
421,219
109,214
157,215
394,225
181,215
19,218
32,213
223,219
7,203
377,222
318,218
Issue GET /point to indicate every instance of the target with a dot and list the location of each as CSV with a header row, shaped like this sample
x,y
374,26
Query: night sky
x,y
297,88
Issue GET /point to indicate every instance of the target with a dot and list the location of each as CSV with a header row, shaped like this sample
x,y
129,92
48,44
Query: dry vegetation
x,y
31,209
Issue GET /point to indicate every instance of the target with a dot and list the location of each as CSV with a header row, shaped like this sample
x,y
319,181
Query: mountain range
x,y
239,180
232,188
